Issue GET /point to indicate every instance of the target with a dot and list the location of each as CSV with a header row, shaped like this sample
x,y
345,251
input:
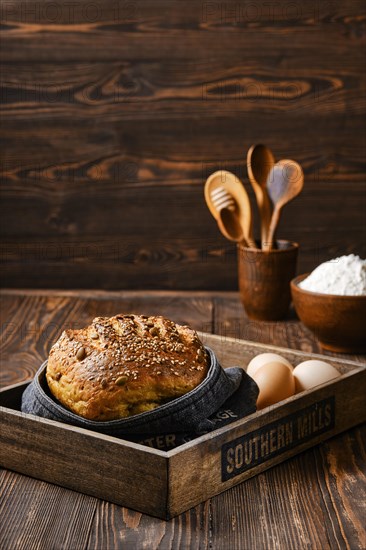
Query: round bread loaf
x,y
124,365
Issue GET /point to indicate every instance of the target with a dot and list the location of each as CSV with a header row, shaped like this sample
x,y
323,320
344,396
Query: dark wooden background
x,y
114,113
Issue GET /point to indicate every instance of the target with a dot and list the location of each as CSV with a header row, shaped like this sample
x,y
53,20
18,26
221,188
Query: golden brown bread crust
x,y
124,365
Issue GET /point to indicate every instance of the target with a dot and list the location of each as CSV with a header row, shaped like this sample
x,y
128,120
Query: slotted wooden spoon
x,y
229,204
285,181
227,220
231,228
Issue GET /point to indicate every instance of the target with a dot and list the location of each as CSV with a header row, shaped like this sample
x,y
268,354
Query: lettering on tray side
x,y
254,448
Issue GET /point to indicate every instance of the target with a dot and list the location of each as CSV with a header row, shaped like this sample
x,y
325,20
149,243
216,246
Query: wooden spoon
x,y
260,162
285,181
225,192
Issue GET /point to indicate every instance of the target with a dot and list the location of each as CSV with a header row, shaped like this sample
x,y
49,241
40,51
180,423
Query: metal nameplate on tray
x,y
275,438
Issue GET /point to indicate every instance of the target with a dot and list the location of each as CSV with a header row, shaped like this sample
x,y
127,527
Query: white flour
x,y
344,276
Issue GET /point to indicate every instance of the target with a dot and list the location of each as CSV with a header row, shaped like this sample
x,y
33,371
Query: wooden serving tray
x,y
165,484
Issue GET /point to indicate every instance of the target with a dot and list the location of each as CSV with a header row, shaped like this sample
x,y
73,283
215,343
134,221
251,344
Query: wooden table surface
x,y
314,501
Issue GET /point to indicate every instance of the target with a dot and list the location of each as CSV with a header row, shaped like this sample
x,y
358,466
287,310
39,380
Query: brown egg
x,y
259,360
275,382
309,374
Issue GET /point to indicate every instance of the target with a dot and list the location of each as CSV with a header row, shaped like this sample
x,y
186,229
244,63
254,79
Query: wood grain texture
x,y
338,479
121,528
252,511
49,516
315,498
114,113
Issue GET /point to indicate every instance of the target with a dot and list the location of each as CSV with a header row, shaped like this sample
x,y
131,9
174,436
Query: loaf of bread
x,y
124,365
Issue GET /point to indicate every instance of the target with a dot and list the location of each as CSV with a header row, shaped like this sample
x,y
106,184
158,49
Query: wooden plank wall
x,y
114,113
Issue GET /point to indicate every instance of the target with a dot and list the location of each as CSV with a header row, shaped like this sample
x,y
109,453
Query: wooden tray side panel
x,y
83,461
198,471
232,352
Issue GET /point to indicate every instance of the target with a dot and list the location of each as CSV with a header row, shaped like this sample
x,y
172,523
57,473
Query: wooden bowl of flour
x,y
338,322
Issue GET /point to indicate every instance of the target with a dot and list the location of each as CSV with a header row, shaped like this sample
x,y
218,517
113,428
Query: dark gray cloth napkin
x,y
224,396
